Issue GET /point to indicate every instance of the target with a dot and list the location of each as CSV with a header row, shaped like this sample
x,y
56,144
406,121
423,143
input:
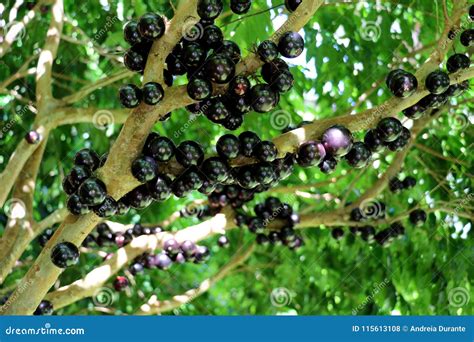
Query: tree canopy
x,y
60,72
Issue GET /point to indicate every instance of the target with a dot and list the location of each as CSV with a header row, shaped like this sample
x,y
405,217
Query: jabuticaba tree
x,y
236,157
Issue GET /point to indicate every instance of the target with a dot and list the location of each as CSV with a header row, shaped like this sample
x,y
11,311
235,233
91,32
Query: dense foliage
x,y
350,48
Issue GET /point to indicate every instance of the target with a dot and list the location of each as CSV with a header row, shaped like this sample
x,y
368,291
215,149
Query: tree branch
x,y
18,27
82,93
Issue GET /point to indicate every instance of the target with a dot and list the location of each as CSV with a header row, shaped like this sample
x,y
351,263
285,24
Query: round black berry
x,y
265,173
240,6
77,176
160,188
175,64
231,50
201,254
403,84
152,93
337,233
328,165
92,191
189,153
292,5
228,146
418,217
265,151
267,51
138,198
233,122
193,55
144,169
401,141
467,38
263,98
389,129
32,137
209,9
291,45
131,34
248,141
373,140
87,158
283,82
359,155
395,184
130,95
107,208
392,75
199,89
246,177
272,69
409,182
65,254
310,153
414,112
212,37
75,206
220,69
134,61
337,141
437,82
45,308
457,62
161,149
151,26
239,85
215,169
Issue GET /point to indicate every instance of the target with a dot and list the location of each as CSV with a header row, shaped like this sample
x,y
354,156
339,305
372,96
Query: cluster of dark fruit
x,y
208,176
105,237
207,59
437,83
389,133
140,35
173,252
396,185
368,233
272,210
335,143
87,192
